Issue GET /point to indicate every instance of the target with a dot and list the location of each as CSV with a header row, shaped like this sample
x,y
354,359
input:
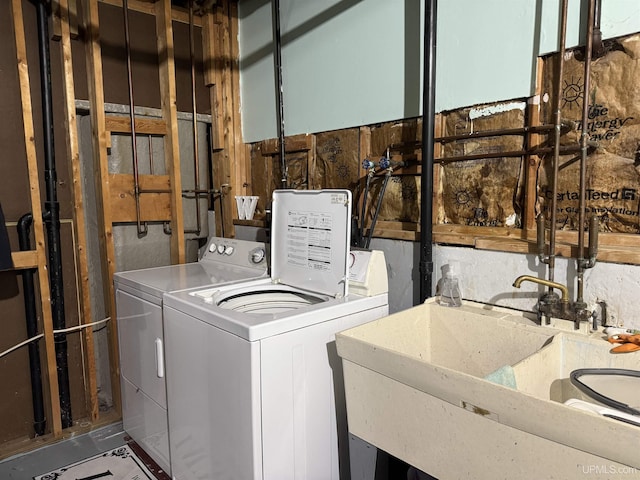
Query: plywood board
x,y
154,206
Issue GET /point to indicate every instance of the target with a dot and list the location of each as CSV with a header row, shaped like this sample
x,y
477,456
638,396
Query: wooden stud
x,y
532,162
149,7
164,32
26,259
213,74
218,94
72,16
208,60
79,227
239,178
144,126
55,21
296,143
38,227
364,148
228,143
99,137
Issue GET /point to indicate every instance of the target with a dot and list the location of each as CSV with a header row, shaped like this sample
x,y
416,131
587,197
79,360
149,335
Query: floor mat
x,y
118,464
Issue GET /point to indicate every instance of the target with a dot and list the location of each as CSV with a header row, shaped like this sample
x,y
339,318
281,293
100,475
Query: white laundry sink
x,y
546,374
416,386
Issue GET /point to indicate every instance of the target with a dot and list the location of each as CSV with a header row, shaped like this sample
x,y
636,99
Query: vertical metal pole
x,y
196,161
584,140
142,227
52,218
277,61
428,124
556,142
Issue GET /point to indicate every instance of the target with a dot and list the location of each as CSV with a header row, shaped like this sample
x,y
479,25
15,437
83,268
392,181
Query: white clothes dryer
x,y
141,334
264,399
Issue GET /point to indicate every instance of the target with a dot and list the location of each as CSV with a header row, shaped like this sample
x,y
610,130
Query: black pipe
x,y
52,216
378,205
29,293
277,64
428,124
597,49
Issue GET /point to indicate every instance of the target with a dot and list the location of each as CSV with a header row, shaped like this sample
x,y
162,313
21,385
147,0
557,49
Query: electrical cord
x,y
62,330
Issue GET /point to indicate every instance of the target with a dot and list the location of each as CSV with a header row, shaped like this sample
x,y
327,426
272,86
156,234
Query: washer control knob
x,y
212,247
229,250
257,255
221,249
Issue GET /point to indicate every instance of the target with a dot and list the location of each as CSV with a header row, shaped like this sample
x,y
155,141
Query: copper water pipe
x,y
196,163
496,133
507,153
556,143
143,229
584,139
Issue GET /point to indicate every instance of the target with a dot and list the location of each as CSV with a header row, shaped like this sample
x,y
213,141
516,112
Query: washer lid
x,y
310,239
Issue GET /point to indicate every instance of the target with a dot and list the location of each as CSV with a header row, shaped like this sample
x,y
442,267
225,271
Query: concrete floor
x,y
26,466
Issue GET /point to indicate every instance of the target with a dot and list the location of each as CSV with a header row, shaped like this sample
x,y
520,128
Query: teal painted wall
x,y
356,62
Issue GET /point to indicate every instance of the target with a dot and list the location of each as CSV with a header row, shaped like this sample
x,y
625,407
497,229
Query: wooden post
x,y
438,204
99,137
73,154
164,31
365,151
38,225
213,47
532,162
241,172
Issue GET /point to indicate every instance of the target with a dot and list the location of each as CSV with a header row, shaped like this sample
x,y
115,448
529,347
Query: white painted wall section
x,y
487,277
348,63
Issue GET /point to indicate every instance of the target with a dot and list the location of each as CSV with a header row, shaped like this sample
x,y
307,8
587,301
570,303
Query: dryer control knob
x,y
257,255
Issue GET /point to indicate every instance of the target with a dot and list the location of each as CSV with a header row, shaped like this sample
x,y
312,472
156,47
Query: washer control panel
x,y
237,252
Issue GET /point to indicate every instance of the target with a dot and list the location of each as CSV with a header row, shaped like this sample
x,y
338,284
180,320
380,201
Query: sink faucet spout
x,y
528,278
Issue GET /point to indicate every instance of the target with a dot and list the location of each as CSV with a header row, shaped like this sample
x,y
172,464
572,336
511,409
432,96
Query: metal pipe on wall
x,y
551,259
428,124
52,216
196,161
277,63
142,227
584,141
29,293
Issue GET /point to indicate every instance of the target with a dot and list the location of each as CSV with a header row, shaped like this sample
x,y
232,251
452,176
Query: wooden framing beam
x,y
164,32
144,126
149,7
241,168
38,225
532,162
214,50
153,206
79,227
99,137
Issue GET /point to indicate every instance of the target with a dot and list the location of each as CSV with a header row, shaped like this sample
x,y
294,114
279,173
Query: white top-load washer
x,y
265,399
141,333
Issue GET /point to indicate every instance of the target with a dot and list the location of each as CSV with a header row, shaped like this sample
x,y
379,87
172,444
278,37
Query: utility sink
x,y
479,392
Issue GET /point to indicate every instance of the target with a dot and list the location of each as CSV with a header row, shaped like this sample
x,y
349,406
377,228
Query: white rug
x,y
118,464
